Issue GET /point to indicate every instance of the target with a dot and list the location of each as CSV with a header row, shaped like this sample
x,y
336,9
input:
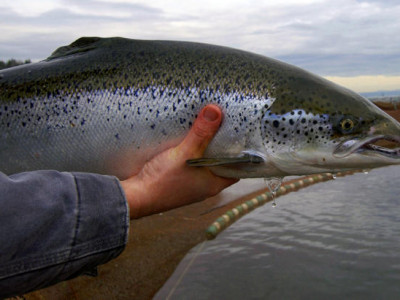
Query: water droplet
x,y
366,171
334,176
273,184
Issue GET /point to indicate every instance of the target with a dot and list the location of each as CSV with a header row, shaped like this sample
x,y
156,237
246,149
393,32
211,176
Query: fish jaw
x,y
350,154
371,146
310,161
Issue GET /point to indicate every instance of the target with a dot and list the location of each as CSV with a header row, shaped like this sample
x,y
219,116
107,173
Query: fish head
x,y
316,126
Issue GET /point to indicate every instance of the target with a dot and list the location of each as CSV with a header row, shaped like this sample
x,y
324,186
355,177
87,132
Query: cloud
x,y
346,64
115,10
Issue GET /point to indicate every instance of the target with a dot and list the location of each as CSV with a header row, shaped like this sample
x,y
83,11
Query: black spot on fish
x,y
275,123
117,136
291,122
153,126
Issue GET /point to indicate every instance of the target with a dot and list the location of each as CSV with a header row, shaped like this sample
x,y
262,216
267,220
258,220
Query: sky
x,y
353,42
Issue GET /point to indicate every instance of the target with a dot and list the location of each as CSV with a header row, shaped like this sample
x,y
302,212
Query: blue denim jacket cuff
x,y
56,226
103,219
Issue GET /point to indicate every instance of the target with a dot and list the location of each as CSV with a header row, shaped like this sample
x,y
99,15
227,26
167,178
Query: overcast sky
x,y
341,39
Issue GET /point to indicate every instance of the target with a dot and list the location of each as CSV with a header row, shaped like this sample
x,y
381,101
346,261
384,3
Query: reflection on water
x,y
339,238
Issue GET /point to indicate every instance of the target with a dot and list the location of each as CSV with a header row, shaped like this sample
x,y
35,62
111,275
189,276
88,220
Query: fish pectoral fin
x,y
225,161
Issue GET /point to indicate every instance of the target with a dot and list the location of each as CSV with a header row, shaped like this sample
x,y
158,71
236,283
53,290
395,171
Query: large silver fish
x,y
107,105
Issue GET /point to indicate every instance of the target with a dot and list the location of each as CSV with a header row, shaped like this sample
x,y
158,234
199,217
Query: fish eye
x,y
347,124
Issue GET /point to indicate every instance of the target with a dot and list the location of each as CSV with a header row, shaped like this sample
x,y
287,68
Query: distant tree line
x,y
12,63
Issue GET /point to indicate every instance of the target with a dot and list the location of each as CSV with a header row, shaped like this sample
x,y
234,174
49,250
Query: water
x,y
333,240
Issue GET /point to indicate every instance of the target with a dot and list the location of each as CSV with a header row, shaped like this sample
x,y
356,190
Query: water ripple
x,y
331,240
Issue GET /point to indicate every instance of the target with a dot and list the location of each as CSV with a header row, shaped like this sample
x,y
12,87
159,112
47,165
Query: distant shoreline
x,y
386,99
381,94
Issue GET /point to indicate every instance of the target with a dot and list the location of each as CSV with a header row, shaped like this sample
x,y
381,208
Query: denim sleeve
x,y
55,226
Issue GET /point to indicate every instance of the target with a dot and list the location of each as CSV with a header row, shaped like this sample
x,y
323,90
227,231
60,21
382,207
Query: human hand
x,y
166,182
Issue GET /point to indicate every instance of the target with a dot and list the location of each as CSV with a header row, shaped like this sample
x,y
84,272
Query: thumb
x,y
202,131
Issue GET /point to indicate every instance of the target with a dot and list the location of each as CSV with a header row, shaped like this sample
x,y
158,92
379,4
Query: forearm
x,y
55,226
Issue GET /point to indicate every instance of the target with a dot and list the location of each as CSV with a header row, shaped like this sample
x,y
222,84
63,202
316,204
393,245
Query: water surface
x,y
337,239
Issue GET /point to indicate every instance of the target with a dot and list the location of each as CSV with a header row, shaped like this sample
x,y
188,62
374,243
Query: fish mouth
x,y
382,145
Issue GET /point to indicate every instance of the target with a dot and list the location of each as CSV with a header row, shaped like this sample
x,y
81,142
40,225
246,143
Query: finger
x,y
202,131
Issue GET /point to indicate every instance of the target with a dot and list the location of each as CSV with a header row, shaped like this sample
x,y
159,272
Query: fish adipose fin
x,y
225,161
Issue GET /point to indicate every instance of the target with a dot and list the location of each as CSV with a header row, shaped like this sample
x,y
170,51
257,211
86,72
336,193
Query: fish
x,y
108,105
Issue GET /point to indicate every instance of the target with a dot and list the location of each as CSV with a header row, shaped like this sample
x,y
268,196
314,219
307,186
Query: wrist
x,y
132,196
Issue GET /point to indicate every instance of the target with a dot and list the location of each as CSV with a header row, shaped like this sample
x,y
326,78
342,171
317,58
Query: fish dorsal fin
x,y
82,44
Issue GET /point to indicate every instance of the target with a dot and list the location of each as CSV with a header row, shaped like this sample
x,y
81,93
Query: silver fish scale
x,y
85,129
